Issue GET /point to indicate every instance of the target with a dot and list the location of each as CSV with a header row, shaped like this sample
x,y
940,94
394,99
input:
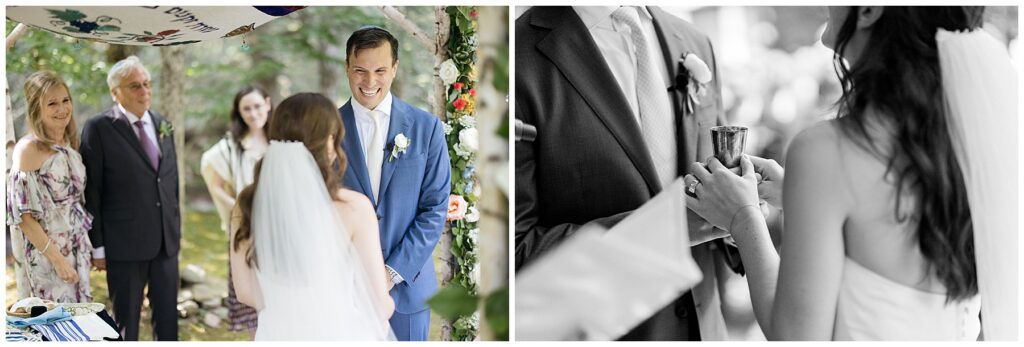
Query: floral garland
x,y
459,77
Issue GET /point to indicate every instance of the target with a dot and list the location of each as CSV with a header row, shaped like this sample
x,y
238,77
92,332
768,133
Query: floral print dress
x,y
54,196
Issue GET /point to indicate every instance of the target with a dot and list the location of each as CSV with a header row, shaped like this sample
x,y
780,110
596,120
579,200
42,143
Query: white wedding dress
x,y
980,88
875,308
312,283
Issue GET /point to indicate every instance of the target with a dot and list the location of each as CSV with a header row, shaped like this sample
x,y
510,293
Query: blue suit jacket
x,y
414,190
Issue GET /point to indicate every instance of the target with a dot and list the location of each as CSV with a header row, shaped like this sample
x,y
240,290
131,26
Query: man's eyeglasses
x,y
136,86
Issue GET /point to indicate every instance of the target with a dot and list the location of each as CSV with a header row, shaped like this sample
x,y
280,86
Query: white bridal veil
x,y
313,285
980,87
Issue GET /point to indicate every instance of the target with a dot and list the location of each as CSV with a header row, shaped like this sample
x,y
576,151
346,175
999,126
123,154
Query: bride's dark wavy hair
x,y
309,118
898,75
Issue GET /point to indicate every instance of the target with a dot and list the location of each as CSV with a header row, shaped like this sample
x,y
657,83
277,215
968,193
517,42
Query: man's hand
x,y
700,230
99,264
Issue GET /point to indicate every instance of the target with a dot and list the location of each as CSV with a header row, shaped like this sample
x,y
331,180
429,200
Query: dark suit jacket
x,y
589,162
135,208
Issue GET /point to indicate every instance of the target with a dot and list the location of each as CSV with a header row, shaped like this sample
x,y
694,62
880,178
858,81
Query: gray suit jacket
x,y
589,162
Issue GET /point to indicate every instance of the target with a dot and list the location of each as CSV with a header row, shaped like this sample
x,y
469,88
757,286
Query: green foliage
x,y
496,312
453,302
83,69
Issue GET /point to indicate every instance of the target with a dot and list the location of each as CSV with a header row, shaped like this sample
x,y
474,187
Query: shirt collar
x,y
131,117
601,16
384,106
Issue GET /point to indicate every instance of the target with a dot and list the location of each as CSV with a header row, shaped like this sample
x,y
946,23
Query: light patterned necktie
x,y
375,154
656,119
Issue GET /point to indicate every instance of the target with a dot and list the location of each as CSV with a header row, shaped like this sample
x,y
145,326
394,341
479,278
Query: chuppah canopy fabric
x,y
148,25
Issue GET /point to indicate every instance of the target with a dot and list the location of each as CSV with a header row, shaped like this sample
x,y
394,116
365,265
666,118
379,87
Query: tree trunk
x,y
492,161
262,52
118,52
172,104
12,138
328,70
438,104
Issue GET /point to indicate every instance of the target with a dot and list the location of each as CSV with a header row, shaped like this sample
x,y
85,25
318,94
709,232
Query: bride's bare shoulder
x,y
353,202
818,141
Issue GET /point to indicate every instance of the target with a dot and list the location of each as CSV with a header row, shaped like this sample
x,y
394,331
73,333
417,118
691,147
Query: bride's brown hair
x,y
898,75
309,118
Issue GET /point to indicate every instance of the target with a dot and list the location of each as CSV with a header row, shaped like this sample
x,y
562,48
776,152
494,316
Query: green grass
x,y
203,244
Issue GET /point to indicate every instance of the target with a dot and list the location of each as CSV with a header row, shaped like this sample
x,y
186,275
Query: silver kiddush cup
x,y
728,143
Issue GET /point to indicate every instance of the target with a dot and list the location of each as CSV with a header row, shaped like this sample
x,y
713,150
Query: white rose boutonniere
x,y
401,145
699,76
448,72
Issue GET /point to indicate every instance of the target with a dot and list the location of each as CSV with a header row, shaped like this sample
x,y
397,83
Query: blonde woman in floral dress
x,y
45,198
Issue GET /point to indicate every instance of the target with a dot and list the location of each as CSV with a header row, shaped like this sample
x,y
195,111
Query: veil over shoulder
x,y
980,87
313,284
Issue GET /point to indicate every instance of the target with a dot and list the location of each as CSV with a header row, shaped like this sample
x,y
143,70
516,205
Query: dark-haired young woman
x,y
901,213
227,168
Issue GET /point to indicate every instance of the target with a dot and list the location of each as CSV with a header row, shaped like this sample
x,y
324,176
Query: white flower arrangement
x,y
469,139
447,128
461,151
467,121
448,72
472,216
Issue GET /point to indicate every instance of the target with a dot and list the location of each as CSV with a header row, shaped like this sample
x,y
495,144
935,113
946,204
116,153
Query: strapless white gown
x,y
874,308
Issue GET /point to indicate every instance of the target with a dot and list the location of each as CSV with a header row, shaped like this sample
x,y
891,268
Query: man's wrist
x,y
99,253
393,275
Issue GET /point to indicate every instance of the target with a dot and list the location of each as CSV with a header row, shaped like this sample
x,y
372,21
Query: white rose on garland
x,y
468,138
462,151
473,215
448,72
467,121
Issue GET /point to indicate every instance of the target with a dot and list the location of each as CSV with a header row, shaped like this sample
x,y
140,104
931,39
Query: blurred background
x,y
301,52
777,78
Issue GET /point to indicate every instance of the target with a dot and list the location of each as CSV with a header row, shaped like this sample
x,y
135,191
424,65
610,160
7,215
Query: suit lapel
x,y
122,126
673,45
356,159
567,42
400,121
163,143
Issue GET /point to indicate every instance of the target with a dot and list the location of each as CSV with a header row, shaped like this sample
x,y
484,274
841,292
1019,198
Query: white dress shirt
x,y
364,126
364,123
613,40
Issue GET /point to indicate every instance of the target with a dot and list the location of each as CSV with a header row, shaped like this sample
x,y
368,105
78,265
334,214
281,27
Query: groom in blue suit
x,y
398,157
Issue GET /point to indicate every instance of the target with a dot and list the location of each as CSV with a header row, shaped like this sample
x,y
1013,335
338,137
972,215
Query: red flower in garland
x,y
458,85
472,13
459,104
472,92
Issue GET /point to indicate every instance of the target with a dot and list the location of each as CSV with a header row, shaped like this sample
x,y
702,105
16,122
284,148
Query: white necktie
x,y
375,154
656,120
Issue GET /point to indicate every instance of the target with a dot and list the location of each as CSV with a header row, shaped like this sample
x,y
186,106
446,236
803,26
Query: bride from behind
x,y
900,215
305,252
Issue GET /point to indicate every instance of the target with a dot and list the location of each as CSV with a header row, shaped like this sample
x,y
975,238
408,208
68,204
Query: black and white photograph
x,y
715,173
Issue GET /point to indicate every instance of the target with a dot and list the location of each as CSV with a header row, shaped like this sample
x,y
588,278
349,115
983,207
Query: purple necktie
x,y
147,144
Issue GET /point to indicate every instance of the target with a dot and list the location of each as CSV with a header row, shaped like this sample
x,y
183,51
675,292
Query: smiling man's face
x,y
370,73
